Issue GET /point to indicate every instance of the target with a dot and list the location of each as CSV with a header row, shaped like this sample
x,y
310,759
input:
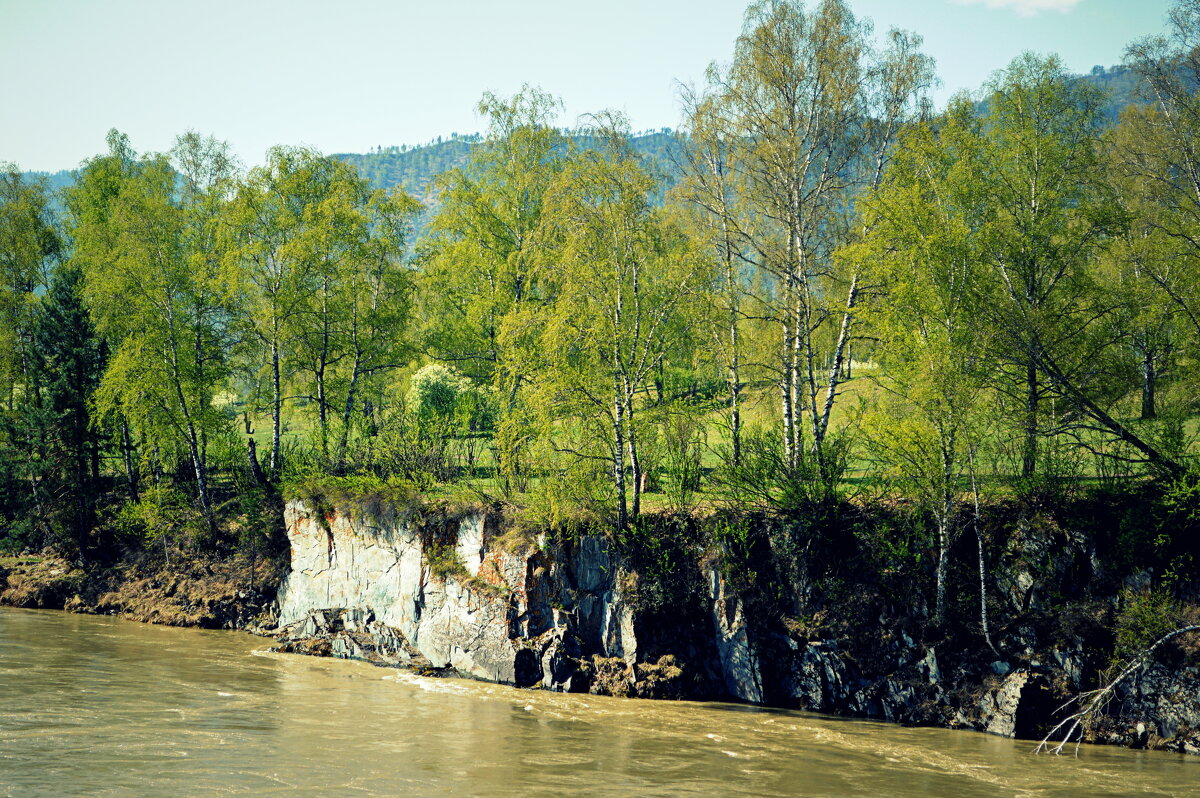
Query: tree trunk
x,y
786,404
735,414
322,413
735,383
255,469
1030,423
127,453
839,361
347,413
635,463
1085,405
201,472
276,409
943,560
787,385
983,613
619,457
1149,384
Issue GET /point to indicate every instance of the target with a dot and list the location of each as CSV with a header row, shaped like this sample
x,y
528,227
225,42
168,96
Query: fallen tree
x,y
1093,702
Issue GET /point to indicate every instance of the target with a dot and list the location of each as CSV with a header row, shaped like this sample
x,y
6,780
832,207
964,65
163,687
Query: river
x,y
94,706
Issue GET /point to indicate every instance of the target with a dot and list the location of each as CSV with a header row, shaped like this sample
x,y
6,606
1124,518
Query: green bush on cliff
x,y
322,493
663,554
1145,617
443,561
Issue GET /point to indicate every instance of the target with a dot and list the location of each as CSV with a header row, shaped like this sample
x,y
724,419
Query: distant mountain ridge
x,y
415,167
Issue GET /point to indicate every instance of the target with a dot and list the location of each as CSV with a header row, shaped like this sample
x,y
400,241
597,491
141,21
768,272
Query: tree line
x,y
842,291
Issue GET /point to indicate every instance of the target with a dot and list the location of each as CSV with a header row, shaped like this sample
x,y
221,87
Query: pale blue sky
x,y
346,76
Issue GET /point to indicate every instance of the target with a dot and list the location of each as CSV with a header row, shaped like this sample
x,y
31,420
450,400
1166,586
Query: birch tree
x,y
268,267
349,324
1156,161
29,245
809,114
1046,215
620,276
921,252
152,280
479,266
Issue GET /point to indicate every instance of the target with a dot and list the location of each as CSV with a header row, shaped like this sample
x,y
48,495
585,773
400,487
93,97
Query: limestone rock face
x,y
999,708
1160,708
739,663
502,614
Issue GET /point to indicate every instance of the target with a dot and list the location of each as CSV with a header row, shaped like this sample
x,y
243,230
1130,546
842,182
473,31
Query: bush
x,y
434,391
763,480
163,517
1144,618
663,554
322,493
683,440
444,562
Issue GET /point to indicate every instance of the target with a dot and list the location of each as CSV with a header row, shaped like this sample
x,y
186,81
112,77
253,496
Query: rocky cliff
x,y
582,613
445,593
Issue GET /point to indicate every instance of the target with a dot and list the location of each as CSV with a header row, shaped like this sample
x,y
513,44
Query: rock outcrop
x,y
459,594
449,593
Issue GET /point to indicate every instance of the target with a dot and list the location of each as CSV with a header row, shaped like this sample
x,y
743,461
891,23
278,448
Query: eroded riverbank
x,y
594,612
103,707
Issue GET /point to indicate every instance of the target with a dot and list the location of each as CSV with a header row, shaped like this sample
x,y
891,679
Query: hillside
x,y
414,167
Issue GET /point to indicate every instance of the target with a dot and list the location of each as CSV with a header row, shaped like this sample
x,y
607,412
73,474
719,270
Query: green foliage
x,y
420,452
18,535
1145,616
622,276
734,538
683,442
164,517
260,532
145,241
764,479
29,245
579,493
436,395
443,562
68,360
662,555
324,493
1176,530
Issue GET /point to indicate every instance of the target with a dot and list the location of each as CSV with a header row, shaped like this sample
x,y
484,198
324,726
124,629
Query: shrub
x,y
683,440
1145,617
163,516
434,391
763,479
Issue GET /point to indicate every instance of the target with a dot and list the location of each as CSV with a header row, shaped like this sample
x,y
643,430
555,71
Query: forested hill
x,y
60,179
1121,84
415,167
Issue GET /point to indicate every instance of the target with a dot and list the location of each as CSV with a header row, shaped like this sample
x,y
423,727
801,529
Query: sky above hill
x,y
351,75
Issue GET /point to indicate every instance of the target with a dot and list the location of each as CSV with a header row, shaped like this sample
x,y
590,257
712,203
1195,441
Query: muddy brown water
x,y
102,707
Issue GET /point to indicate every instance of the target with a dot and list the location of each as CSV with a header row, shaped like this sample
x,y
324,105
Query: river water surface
x,y
102,707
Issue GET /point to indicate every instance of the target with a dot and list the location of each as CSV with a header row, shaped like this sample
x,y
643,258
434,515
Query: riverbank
x,y
755,610
810,614
95,706
203,592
